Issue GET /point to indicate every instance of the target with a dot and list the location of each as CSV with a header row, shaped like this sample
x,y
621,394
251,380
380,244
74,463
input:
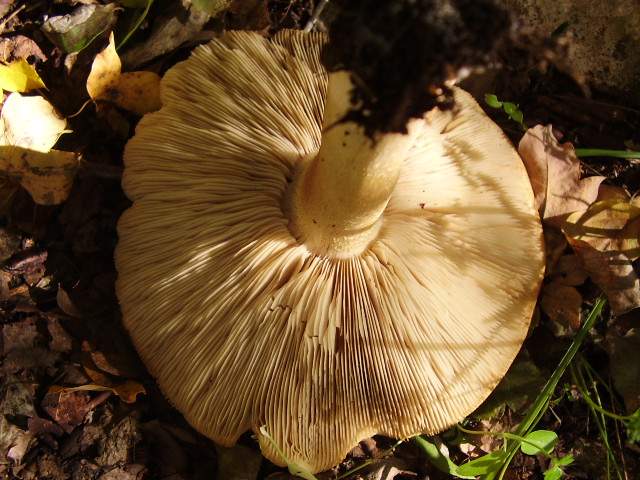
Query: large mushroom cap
x,y
245,327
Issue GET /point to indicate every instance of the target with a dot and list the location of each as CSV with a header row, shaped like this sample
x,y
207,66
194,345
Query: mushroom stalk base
x,y
339,196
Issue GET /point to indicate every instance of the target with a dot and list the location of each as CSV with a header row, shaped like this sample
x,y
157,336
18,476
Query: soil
x,y
59,315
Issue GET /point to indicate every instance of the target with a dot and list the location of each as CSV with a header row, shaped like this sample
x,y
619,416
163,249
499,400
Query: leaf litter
x,y
76,401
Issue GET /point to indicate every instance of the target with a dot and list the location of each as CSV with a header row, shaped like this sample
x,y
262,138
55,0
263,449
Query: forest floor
x,y
76,401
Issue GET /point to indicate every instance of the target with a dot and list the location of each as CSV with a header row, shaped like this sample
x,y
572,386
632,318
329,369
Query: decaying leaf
x,y
624,365
177,25
19,46
75,31
137,92
607,239
30,127
554,172
48,177
562,305
19,76
559,300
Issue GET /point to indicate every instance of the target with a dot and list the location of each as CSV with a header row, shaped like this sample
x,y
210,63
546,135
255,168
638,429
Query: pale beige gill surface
x,y
244,327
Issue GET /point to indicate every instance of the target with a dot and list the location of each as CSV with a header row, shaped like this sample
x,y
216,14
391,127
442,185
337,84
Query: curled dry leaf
x,y
607,239
554,172
30,127
137,92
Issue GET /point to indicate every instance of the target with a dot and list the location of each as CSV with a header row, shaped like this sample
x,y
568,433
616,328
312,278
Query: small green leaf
x,y
563,461
554,473
517,116
509,108
539,441
491,100
486,465
633,427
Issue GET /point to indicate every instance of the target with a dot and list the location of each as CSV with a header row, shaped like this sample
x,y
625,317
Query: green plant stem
x,y
603,152
542,400
601,421
589,401
136,25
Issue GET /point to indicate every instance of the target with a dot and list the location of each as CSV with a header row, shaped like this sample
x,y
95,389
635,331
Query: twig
x,y
316,16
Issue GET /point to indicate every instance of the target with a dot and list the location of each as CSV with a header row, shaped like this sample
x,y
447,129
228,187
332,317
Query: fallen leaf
x,y
19,76
73,32
30,128
554,172
607,239
30,122
19,46
48,177
625,368
562,305
137,92
105,71
176,26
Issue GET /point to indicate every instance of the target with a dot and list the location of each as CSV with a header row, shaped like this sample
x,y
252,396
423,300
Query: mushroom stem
x,y
339,196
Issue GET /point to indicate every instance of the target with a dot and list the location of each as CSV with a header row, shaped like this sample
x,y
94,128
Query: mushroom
x,y
281,269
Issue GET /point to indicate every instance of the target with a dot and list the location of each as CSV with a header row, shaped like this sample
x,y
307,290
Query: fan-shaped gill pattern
x,y
244,327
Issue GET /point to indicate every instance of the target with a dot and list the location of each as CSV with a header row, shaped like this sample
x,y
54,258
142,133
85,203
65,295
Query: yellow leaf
x,y
48,177
19,76
105,72
30,122
139,92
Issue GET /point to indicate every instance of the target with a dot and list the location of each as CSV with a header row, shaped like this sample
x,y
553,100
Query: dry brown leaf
x,y
607,239
554,172
562,305
137,92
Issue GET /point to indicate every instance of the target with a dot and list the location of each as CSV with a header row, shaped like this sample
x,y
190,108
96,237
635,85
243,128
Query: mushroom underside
x,y
245,327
